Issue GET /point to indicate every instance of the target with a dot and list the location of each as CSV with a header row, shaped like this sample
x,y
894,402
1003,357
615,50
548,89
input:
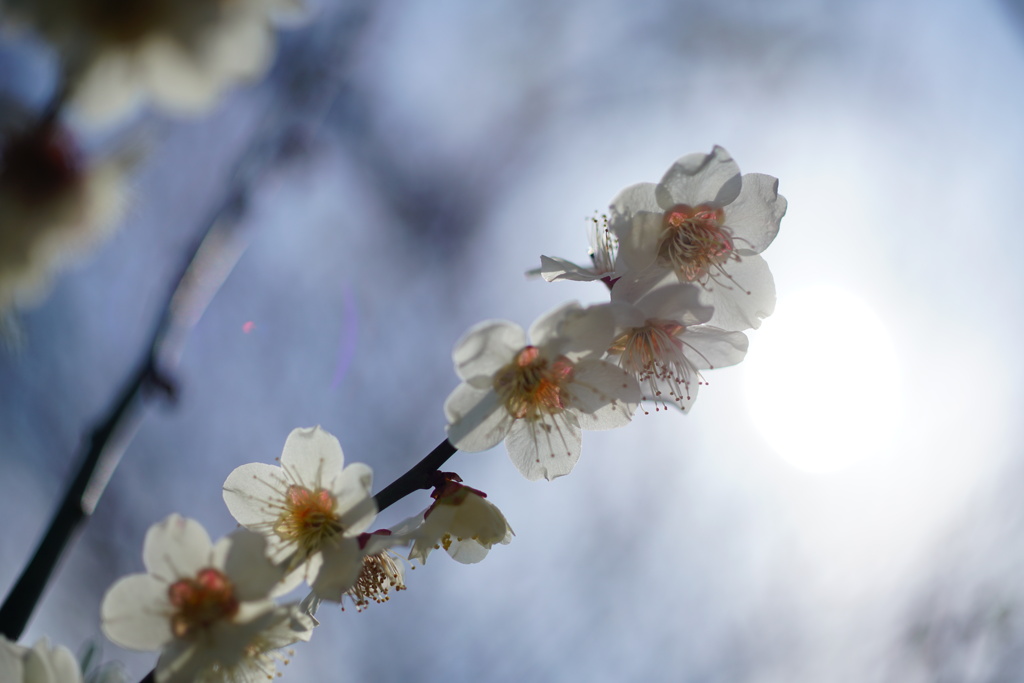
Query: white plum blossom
x,y
706,223
604,247
41,663
204,605
537,395
312,510
664,343
180,54
462,521
53,206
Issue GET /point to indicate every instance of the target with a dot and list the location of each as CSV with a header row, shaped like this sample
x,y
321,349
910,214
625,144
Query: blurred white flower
x,y
664,343
462,521
53,206
537,396
707,224
181,54
205,606
604,248
41,663
311,509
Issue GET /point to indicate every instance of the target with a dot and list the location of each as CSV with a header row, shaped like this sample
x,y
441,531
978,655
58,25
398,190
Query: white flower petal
x,y
343,562
676,301
355,505
467,551
629,202
311,457
639,249
554,268
605,394
486,347
176,547
755,215
477,420
700,179
547,449
580,333
11,667
135,613
734,308
44,664
546,327
248,567
711,347
250,492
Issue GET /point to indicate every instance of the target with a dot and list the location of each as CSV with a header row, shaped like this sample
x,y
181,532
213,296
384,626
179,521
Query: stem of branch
x,y
419,476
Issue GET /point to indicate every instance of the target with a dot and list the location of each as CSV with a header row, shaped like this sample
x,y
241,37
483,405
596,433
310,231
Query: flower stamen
x,y
308,518
695,243
201,602
531,387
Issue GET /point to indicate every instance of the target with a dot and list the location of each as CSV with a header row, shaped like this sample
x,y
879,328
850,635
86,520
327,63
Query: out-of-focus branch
x,y
212,261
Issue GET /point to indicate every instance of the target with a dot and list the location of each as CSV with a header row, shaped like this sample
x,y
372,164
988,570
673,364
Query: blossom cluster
x,y
681,260
211,608
680,263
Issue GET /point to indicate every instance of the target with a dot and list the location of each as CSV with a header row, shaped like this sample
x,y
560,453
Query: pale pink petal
x,y
700,179
254,493
136,614
548,448
486,347
755,215
312,457
176,547
477,420
605,395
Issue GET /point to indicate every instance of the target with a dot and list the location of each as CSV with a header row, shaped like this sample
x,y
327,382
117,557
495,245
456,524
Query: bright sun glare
x,y
822,380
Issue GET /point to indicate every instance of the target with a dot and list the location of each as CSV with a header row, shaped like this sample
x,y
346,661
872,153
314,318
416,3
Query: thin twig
x,y
213,259
419,476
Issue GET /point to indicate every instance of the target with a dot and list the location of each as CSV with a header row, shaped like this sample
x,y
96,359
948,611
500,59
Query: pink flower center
x,y
201,601
308,518
694,241
531,386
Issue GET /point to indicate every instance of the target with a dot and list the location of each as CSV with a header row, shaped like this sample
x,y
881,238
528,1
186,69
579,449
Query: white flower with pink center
x,y
462,521
312,510
41,663
537,395
664,343
204,605
706,224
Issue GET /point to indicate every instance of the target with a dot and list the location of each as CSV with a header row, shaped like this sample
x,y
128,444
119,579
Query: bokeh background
x,y
459,142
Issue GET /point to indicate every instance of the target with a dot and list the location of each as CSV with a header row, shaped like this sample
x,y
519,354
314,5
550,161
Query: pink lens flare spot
x,y
248,327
